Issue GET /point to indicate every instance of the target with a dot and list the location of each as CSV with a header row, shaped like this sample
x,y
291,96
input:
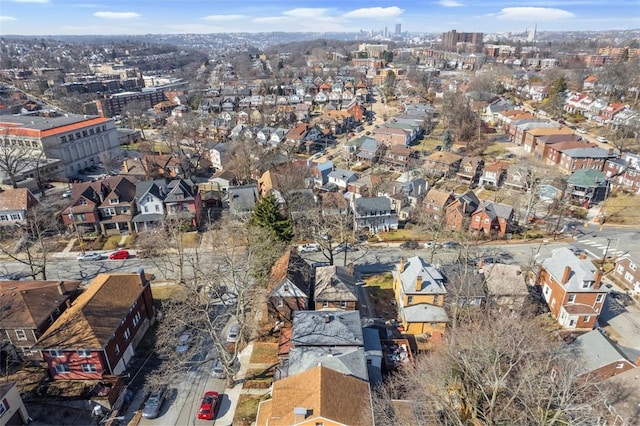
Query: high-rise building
x,y
451,39
532,34
398,29
386,32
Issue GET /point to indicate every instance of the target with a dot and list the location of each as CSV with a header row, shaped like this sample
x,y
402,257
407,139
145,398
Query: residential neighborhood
x,y
283,233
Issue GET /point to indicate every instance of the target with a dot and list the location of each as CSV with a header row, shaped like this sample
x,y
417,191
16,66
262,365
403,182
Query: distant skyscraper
x,y
532,33
398,29
386,33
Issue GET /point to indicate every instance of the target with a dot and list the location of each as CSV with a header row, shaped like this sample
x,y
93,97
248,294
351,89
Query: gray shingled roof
x,y
150,186
327,328
424,312
242,199
591,152
349,360
432,280
366,205
581,269
596,351
334,283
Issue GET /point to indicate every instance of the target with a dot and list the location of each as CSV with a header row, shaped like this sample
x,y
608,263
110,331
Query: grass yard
x,y
164,292
264,353
402,235
259,378
190,240
247,409
495,150
380,289
621,209
112,242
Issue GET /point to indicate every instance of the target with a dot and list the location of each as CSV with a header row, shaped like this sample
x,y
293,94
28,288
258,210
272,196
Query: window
x,y
325,304
62,368
136,318
157,208
620,365
21,335
82,201
599,298
117,349
3,408
4,217
409,300
627,275
632,266
78,135
15,216
586,284
486,221
89,368
56,353
280,302
114,201
343,303
85,353
146,209
586,319
572,298
63,139
127,333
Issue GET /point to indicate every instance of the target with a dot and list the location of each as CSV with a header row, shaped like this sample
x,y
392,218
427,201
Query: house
x,y
627,270
434,204
341,178
242,200
373,215
289,287
444,164
543,144
506,288
29,308
587,187
163,165
319,396
335,288
327,328
15,204
492,218
553,152
82,210
419,293
623,174
150,196
470,169
571,286
97,335
183,201
12,409
518,177
598,355
320,173
366,186
118,205
349,360
370,151
219,155
584,158
458,213
392,136
494,173
222,180
532,136
397,157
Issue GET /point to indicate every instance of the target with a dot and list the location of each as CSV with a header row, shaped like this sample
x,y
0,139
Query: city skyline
x,y
73,17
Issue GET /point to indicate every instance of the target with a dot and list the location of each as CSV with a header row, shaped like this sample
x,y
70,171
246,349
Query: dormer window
x,y
114,201
82,202
586,284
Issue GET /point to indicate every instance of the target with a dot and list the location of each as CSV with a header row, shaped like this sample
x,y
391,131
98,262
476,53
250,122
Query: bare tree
x,y
14,159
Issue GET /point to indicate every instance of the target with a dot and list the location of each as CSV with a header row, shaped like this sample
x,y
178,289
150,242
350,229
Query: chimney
x,y
566,275
350,268
401,264
582,256
480,263
60,287
125,166
637,363
597,279
327,318
419,283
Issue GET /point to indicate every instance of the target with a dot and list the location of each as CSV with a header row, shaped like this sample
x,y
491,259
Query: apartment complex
x,y
451,39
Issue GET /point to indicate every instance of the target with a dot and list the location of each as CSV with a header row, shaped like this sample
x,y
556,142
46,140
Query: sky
x,y
107,17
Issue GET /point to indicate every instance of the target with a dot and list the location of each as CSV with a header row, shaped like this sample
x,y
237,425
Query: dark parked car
x,y
345,247
410,245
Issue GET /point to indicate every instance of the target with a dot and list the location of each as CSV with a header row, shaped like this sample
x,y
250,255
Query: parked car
x,y
119,255
581,130
232,335
218,370
90,256
308,248
345,247
208,405
183,343
153,405
410,245
450,244
319,264
66,194
602,139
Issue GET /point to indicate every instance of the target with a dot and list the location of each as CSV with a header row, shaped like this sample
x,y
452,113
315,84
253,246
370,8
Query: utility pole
x,y
604,256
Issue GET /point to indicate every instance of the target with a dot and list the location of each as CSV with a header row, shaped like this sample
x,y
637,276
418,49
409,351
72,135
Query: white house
x,y
150,196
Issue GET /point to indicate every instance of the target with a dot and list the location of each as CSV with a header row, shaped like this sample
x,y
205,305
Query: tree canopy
x,y
267,215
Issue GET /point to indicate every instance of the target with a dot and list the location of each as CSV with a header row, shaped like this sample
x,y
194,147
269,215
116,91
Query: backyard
x,y
380,288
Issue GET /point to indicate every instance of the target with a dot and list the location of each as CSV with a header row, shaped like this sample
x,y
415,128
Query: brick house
x,y
458,213
289,287
571,286
532,136
83,211
435,203
397,156
628,270
15,204
335,288
494,173
29,308
390,136
470,169
419,291
623,173
444,164
584,158
544,142
183,199
97,335
492,218
553,152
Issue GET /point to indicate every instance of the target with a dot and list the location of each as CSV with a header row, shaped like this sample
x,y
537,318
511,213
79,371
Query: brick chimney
x,y
582,256
566,275
350,268
60,287
401,264
419,283
597,279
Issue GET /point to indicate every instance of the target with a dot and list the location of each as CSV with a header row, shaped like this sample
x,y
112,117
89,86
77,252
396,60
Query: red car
x,y
118,255
208,406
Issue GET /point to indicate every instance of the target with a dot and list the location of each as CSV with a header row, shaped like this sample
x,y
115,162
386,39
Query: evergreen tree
x,y
267,215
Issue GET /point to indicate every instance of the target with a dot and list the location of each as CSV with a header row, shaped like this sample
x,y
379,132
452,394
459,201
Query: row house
x,y
397,157
373,215
572,288
470,169
553,152
505,118
444,164
494,173
492,219
392,136
523,127
543,144
98,334
610,111
627,270
623,174
105,206
584,158
413,129
30,307
532,136
15,204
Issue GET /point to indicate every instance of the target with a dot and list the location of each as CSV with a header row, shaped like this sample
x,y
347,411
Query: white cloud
x,y
375,12
7,18
533,14
223,18
270,20
117,15
450,3
30,1
305,12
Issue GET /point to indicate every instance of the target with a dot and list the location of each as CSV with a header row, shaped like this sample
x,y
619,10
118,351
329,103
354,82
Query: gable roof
x,y
347,360
92,319
327,328
596,351
414,267
438,197
290,269
320,393
334,283
181,190
156,187
423,312
366,205
17,199
586,178
581,269
495,210
28,304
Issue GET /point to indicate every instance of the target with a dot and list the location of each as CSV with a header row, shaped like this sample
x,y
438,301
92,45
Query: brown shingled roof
x,y
17,199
